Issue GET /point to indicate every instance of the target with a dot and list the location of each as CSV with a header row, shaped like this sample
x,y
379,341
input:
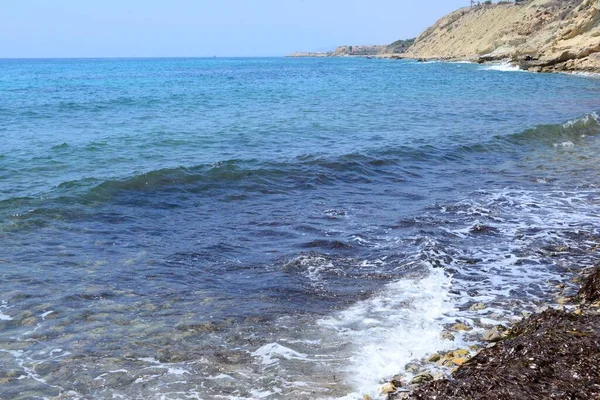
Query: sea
x,y
276,228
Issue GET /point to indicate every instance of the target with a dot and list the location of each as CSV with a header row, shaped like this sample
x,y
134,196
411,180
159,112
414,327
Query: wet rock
x,y
478,307
460,352
29,321
388,388
422,378
397,380
493,335
590,288
412,368
483,229
445,335
562,300
549,355
434,358
461,327
542,309
459,361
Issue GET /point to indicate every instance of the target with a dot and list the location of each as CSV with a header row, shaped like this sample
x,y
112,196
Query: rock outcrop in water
x,y
538,35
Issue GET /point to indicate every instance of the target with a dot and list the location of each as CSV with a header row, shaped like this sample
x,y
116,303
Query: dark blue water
x,y
251,228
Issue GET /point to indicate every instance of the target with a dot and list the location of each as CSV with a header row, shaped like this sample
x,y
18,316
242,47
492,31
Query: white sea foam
x,y
568,143
504,67
271,353
594,75
4,317
386,332
584,120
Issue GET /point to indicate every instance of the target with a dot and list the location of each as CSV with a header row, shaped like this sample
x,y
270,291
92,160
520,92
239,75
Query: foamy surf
x,y
386,332
504,67
4,317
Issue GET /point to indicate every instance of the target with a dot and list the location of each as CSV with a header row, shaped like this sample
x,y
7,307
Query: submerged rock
x,y
478,307
461,327
412,368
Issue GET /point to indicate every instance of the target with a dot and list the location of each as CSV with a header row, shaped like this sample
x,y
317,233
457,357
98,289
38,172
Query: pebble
x,y
461,327
493,335
447,336
543,308
478,307
460,353
460,361
29,321
388,388
412,368
426,377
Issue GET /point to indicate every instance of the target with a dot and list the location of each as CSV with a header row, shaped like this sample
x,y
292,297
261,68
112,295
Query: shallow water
x,y
277,228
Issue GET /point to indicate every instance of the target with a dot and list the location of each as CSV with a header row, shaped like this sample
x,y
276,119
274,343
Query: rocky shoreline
x,y
536,35
554,353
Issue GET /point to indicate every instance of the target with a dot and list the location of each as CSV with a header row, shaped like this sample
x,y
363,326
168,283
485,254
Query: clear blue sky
x,y
160,28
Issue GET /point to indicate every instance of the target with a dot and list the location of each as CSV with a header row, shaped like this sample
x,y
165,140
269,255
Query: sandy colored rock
x,y
420,379
388,388
461,327
538,35
459,361
493,335
478,307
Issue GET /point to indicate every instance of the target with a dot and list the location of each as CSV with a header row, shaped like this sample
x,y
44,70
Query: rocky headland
x,y
537,35
396,48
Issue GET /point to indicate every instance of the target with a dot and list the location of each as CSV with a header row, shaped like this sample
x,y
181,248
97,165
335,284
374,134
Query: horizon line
x,y
131,57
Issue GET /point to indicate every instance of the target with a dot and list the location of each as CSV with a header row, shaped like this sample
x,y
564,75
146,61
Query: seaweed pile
x,y
551,355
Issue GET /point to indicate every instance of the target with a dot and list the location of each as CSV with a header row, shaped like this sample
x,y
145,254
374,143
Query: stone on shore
x,y
493,335
422,378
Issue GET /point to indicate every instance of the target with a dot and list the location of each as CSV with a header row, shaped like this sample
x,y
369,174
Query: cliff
x,y
539,35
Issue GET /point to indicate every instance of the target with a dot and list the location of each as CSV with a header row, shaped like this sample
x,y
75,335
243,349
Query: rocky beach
x,y
326,227
552,354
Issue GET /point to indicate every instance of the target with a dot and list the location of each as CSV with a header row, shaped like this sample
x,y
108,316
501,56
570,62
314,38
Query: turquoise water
x,y
276,228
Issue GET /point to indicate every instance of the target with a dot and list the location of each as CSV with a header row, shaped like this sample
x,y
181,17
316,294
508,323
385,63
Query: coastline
x,y
553,352
535,36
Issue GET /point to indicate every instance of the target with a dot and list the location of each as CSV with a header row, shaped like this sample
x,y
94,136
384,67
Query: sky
x,y
206,28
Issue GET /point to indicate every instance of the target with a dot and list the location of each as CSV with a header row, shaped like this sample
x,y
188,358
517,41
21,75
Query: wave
x,y
504,67
570,131
397,164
